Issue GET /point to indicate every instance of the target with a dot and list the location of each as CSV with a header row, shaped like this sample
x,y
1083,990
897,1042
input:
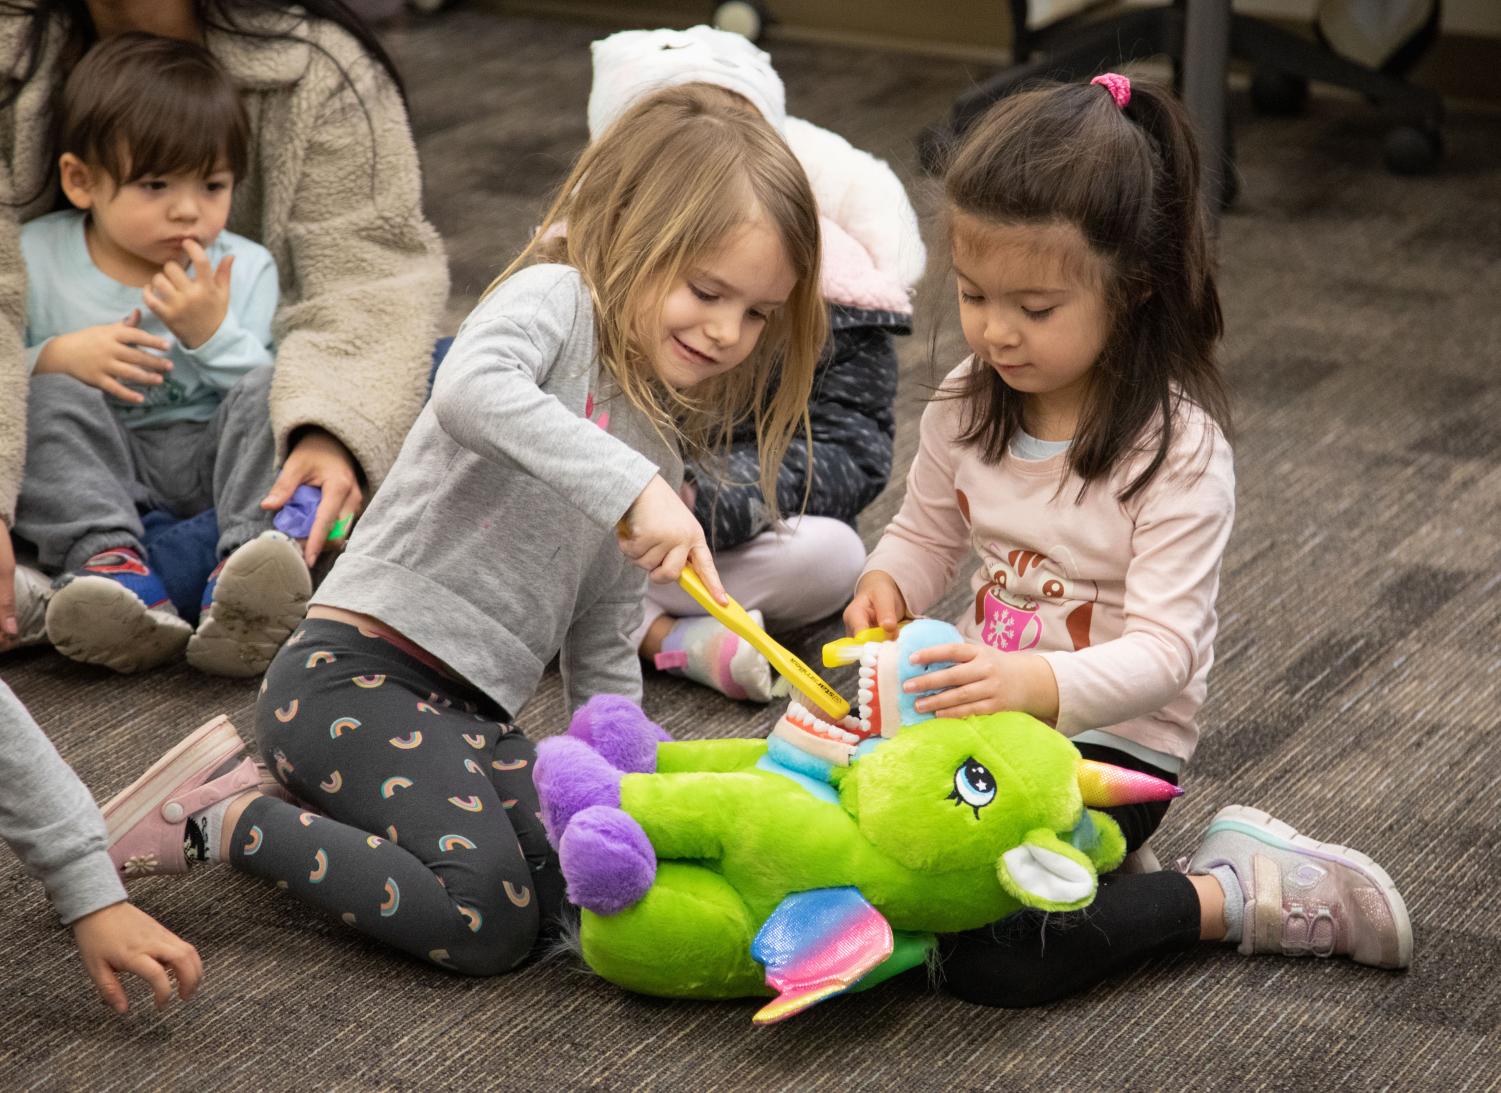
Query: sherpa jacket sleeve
x,y
15,369
368,276
850,410
49,819
489,396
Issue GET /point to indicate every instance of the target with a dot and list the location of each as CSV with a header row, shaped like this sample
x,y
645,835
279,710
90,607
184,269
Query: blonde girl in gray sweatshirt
x,y
535,493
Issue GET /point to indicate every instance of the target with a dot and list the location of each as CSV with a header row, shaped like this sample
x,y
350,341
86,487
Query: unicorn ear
x,y
1047,873
1103,785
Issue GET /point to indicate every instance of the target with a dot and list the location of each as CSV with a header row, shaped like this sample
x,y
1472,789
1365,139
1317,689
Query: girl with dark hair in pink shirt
x,y
1081,453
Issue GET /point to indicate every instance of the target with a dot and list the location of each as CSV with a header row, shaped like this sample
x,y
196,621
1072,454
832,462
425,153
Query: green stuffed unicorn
x,y
826,856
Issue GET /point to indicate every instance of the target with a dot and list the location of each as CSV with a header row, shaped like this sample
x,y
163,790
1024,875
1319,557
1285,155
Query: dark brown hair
x,y
72,17
39,19
139,105
1128,180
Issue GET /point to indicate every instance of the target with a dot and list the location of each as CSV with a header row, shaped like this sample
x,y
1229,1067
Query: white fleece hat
x,y
634,63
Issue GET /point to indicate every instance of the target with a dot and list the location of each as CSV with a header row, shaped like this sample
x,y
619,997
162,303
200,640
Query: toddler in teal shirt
x,y
148,327
80,318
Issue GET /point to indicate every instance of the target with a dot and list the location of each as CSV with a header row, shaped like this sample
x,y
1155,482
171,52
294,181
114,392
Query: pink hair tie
x,y
1118,86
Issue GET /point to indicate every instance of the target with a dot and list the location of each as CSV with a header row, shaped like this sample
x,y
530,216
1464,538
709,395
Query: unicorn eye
x,y
974,785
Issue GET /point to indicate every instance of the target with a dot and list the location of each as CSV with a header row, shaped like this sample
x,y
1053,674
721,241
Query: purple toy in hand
x,y
295,518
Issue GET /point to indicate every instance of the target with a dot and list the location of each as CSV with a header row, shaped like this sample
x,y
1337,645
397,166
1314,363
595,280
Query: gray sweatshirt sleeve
x,y
488,396
49,819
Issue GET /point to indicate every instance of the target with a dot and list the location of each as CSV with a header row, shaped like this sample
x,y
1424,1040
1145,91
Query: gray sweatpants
x,y
88,477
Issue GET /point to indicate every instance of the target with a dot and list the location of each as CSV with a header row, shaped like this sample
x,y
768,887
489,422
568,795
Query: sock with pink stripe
x,y
704,651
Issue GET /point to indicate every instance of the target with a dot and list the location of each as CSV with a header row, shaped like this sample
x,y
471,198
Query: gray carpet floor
x,y
1355,692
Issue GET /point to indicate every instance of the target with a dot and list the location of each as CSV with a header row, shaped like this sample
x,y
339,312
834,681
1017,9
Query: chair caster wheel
x,y
1278,93
1412,150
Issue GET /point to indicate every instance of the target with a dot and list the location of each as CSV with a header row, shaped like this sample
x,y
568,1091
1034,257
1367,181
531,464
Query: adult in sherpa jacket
x,y
872,255
333,191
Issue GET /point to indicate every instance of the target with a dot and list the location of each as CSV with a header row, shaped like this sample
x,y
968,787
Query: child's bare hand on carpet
x,y
123,938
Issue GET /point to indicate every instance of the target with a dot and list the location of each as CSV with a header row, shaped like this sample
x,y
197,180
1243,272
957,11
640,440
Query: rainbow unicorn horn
x,y
1104,785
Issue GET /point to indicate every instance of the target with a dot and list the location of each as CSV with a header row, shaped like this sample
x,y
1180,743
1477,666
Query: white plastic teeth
x,y
870,656
819,725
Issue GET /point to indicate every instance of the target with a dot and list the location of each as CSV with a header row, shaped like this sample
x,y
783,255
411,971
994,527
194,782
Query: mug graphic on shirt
x,y
1008,608
1008,616
1010,628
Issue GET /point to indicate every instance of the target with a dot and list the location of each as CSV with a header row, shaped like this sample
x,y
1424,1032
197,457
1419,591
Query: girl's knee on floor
x,y
505,948
468,905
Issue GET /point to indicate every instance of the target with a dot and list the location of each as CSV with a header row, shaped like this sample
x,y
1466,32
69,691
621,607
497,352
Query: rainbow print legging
x,y
423,830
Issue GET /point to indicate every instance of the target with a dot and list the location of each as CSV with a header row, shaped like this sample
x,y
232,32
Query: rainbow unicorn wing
x,y
818,944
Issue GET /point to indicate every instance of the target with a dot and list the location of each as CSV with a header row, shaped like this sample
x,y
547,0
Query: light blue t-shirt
x,y
1026,446
65,292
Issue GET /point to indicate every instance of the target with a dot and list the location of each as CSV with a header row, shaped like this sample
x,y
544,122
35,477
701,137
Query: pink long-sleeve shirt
x,y
1118,598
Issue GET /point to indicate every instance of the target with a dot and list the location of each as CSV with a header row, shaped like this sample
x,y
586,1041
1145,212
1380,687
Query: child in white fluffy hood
x,y
801,570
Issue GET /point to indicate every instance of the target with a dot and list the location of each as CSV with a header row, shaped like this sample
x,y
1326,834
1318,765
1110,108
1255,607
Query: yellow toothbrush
x,y
793,670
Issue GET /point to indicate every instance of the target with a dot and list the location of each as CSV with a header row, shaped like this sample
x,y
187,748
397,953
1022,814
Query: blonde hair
x,y
666,184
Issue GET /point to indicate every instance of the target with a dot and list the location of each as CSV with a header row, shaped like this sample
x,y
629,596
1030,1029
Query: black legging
x,y
1034,957
427,835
